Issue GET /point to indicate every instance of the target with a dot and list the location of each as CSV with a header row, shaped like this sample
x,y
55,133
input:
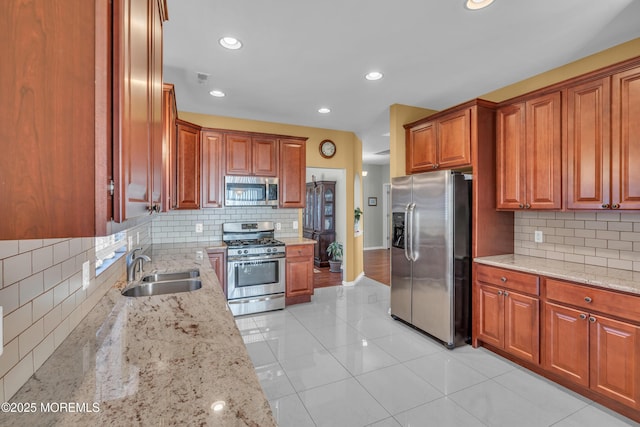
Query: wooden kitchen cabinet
x,y
505,316
251,155
293,168
169,143
212,168
592,338
299,273
442,141
218,259
188,165
528,154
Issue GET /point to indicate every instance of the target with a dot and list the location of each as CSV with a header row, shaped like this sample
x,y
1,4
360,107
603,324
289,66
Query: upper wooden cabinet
x,y
251,155
442,141
137,106
188,166
293,167
169,144
212,167
528,154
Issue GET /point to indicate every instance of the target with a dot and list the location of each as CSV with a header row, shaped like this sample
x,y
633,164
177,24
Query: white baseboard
x,y
360,276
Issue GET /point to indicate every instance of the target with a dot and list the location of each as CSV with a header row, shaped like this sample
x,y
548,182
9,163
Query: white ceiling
x,y
300,55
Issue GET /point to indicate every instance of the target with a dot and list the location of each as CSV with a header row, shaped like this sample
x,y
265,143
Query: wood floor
x,y
376,267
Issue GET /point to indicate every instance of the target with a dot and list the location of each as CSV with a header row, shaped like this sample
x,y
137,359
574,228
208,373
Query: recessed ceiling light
x,y
230,43
478,4
217,93
324,110
374,75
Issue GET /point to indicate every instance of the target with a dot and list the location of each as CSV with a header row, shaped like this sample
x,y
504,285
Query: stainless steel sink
x,y
145,289
175,275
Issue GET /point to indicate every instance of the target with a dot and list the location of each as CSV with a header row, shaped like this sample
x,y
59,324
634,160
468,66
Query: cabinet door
x,y
293,167
299,275
454,140
510,157
132,109
212,179
615,360
265,156
625,131
588,145
566,343
491,316
158,150
421,148
238,154
543,164
218,261
522,326
188,167
169,116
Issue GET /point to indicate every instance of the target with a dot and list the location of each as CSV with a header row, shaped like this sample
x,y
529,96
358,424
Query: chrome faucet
x,y
134,261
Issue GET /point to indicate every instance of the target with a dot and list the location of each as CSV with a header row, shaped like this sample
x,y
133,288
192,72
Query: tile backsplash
x,y
606,239
179,226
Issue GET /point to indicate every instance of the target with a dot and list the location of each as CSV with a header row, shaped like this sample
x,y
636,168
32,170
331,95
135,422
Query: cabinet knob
x,y
592,319
587,299
583,316
527,206
504,279
605,206
499,292
615,206
521,206
506,293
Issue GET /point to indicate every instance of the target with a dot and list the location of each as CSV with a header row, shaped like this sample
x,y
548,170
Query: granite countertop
x,y
610,278
161,360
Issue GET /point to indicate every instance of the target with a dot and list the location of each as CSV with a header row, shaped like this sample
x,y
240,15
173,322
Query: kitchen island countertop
x,y
160,360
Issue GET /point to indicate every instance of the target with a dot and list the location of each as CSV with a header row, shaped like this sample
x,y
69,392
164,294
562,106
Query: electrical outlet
x,y
86,275
199,255
137,238
278,226
198,228
537,236
295,225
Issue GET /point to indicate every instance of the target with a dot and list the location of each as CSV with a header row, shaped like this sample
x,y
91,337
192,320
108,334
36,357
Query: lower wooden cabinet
x,y
299,273
218,259
508,319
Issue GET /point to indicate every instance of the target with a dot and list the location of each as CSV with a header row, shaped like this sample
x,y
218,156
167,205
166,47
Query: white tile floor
x,y
342,361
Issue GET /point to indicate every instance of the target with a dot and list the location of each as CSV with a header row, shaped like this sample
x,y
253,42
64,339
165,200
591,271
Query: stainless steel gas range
x,y
255,267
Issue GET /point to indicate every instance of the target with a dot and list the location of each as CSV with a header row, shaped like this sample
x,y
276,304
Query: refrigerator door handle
x,y
412,208
407,234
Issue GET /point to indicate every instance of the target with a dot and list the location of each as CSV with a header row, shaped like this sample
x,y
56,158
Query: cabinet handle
x,y
605,206
504,279
592,319
587,299
499,293
583,316
615,206
527,206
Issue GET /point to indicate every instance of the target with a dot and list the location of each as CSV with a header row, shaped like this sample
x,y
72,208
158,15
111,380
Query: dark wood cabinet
x,y
440,142
188,165
319,218
528,148
169,144
212,167
248,154
299,273
218,259
507,317
585,343
293,167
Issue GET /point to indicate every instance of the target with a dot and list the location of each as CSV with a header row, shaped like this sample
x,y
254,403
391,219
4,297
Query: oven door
x,y
255,277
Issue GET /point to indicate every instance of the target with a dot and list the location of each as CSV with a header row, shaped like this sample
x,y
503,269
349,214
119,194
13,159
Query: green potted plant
x,y
357,213
334,250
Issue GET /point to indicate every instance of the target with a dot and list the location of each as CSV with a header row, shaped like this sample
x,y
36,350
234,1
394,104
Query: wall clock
x,y
327,149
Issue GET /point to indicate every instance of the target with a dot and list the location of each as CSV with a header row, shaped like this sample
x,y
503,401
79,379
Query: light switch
x,y
295,225
537,236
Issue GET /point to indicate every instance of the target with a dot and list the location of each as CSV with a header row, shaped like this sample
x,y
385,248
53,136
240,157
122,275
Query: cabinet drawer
x,y
300,251
592,299
523,282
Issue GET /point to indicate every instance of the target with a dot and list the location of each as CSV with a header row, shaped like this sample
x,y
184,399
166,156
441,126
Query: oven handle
x,y
254,258
261,299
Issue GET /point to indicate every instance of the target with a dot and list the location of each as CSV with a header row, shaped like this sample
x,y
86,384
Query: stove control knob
x,y
246,251
268,250
239,251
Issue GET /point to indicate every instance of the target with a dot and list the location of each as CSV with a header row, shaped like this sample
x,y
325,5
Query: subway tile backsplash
x,y
606,239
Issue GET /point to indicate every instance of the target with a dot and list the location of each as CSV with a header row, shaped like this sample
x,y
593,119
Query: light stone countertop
x,y
160,360
609,278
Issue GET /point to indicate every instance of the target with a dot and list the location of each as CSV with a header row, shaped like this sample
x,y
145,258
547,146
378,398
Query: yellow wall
x,y
348,156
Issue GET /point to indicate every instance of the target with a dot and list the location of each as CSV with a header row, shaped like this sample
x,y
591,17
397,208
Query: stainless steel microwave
x,y
250,191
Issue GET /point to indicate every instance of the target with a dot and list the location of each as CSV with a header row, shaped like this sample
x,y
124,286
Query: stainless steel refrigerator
x,y
431,254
